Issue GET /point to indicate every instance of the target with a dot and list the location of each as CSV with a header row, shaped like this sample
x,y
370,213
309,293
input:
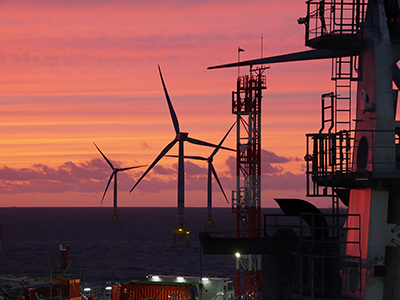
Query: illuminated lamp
x,y
362,175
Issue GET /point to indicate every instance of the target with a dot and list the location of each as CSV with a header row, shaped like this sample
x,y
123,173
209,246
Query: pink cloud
x,y
104,44
192,169
159,169
91,177
273,175
86,177
155,185
284,181
268,160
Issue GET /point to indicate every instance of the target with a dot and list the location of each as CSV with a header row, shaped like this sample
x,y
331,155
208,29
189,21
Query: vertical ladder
x,y
343,75
328,111
347,19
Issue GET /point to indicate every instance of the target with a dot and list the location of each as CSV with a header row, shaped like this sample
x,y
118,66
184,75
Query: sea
x,y
104,252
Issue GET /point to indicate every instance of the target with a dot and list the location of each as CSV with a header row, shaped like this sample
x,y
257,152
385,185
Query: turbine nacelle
x,y
182,136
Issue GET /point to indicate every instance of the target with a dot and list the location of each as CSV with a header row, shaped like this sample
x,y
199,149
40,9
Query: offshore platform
x,y
351,251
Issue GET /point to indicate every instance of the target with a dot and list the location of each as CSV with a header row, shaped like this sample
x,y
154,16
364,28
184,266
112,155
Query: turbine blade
x,y
171,108
189,157
219,183
297,56
109,162
202,143
129,168
108,184
222,141
162,153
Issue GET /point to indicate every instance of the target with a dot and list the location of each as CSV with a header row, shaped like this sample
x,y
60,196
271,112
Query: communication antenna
x,y
262,46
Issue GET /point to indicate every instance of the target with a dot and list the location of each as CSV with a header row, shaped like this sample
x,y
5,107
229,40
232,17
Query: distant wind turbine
x,y
113,175
210,222
180,231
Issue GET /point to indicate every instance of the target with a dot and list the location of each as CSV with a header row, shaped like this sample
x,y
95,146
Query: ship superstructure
x,y
353,159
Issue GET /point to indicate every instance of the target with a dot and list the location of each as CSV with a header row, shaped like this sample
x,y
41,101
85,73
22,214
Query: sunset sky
x,y
77,72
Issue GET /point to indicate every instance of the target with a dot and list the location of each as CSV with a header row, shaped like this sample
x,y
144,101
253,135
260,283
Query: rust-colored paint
x,y
71,289
360,200
142,290
74,288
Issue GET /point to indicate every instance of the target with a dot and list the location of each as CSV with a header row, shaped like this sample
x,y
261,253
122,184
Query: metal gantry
x,y
246,199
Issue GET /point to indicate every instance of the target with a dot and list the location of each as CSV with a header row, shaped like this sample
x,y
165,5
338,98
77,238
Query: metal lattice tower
x,y
246,200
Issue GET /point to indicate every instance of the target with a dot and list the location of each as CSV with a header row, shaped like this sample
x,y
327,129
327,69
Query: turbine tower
x,y
115,215
180,232
209,222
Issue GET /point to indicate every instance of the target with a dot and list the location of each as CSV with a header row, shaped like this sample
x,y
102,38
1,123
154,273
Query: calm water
x,y
138,246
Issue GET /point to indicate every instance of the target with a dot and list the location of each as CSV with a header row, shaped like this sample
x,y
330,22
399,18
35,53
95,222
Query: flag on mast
x,y
239,50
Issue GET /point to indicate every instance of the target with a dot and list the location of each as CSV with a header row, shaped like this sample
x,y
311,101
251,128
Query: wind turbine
x,y
180,232
209,221
113,175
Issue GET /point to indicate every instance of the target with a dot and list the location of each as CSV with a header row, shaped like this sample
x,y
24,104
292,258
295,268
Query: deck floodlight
x,y
362,175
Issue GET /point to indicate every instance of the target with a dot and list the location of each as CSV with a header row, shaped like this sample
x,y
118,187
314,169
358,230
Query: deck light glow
x,y
155,277
205,279
180,278
237,254
108,288
87,289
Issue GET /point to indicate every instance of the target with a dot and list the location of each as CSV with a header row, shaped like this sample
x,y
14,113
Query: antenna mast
x,y
246,199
